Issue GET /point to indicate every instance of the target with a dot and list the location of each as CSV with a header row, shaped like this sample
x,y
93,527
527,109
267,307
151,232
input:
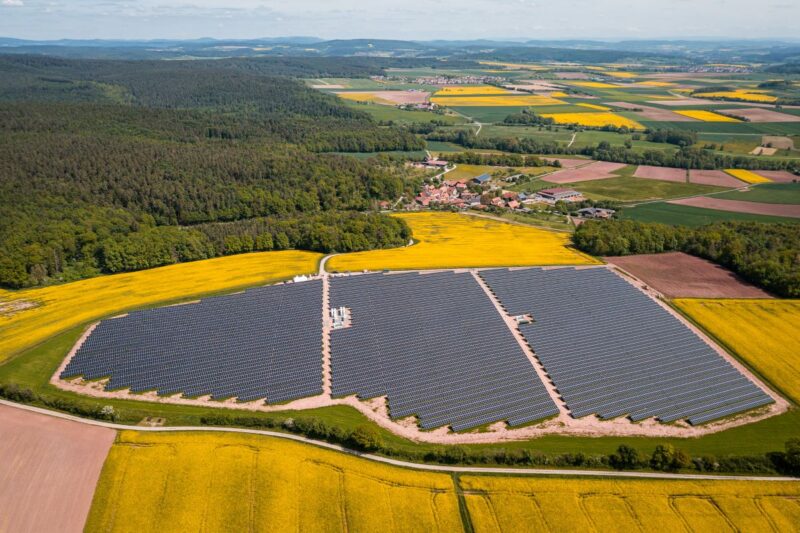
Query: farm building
x,y
480,180
595,212
558,194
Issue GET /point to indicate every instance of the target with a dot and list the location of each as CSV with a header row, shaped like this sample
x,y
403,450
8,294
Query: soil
x,y
779,176
757,114
653,113
50,470
714,177
739,206
680,275
596,171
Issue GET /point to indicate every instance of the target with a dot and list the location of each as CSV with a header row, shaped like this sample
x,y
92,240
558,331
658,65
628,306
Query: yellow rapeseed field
x,y
365,97
622,75
499,504
654,84
234,482
705,116
559,94
460,90
61,307
747,176
594,119
762,332
747,95
450,240
594,106
595,84
494,101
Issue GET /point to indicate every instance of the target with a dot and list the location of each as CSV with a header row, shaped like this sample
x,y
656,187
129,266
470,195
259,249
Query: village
x,y
484,193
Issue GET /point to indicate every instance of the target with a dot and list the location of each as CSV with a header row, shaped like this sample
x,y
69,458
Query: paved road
x,y
404,464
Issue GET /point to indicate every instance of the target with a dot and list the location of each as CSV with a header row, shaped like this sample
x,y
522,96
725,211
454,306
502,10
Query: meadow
x,y
449,240
61,307
531,504
763,333
768,193
215,482
628,188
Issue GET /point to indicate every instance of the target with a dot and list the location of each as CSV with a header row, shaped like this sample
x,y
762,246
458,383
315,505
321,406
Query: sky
x,y
405,19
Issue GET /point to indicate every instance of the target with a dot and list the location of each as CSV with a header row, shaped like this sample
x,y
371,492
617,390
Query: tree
x,y
366,438
625,458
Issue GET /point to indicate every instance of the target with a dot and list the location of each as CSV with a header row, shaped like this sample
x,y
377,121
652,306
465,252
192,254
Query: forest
x,y
108,166
764,254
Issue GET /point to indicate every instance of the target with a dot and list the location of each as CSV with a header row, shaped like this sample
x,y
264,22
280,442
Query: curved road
x,y
404,464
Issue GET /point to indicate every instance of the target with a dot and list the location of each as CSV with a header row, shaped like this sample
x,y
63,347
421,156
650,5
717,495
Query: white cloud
x,y
12,3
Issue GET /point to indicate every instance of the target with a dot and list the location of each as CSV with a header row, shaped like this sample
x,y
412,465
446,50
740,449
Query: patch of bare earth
x,y
778,141
780,176
571,75
599,170
569,163
49,471
679,275
680,102
677,175
12,307
757,114
739,206
714,177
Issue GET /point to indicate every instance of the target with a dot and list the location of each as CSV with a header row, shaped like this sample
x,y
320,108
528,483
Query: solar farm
x,y
456,349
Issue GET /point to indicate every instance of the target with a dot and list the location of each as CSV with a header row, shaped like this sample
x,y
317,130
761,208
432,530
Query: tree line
x,y
767,255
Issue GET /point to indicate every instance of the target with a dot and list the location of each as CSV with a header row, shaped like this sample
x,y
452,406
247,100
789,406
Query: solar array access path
x,y
611,350
262,343
437,347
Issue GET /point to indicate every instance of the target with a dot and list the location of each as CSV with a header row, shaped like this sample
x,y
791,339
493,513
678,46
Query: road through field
x,y
405,464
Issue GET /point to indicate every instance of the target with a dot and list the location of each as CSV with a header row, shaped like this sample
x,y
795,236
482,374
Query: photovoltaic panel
x,y
611,350
262,343
437,347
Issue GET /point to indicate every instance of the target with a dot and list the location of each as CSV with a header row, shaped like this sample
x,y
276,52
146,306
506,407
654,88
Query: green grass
x,y
626,188
770,128
691,216
438,146
488,114
386,112
526,132
770,193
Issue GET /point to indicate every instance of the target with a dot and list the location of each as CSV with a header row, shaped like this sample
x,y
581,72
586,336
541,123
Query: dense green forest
x,y
108,166
764,254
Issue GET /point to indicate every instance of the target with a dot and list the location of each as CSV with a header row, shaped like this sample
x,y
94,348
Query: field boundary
x,y
404,464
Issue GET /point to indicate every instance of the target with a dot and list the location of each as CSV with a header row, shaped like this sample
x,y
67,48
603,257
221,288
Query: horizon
x,y
414,21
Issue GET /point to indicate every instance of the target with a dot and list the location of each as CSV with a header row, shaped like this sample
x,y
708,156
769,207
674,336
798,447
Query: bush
x,y
626,458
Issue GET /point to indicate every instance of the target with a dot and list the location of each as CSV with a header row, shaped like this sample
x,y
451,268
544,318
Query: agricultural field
x,y
502,504
747,176
50,470
763,333
457,90
214,482
51,310
445,240
667,213
680,275
738,206
597,120
495,101
627,188
767,193
705,116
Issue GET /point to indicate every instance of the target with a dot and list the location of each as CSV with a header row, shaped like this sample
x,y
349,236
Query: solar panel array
x,y
611,350
263,343
436,345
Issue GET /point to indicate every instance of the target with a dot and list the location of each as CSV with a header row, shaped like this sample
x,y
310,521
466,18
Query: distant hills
x,y
517,50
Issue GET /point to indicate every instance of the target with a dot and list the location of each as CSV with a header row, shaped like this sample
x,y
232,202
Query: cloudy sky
x,y
406,19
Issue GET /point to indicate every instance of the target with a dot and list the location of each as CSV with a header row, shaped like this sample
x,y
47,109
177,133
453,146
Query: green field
x,y
691,216
770,193
488,114
386,112
628,189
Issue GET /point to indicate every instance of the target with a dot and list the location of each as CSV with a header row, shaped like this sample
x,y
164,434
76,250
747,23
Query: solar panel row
x,y
611,350
263,343
435,344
